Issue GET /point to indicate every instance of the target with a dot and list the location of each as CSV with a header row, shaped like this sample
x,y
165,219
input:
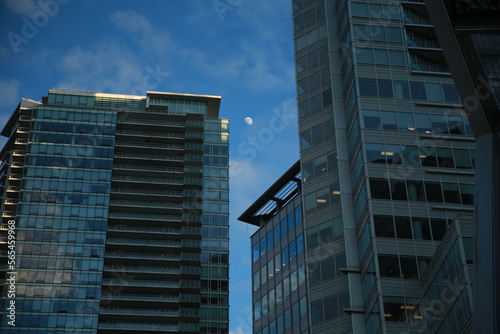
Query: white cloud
x,y
22,7
108,67
9,89
149,37
131,21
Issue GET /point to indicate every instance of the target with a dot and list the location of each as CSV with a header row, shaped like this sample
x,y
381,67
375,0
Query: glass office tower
x,y
373,87
119,207
387,158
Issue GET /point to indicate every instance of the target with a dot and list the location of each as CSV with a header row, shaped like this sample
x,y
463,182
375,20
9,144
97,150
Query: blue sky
x,y
239,49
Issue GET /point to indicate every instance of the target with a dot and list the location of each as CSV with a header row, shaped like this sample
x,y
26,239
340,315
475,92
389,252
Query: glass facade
x,y
371,77
387,160
120,210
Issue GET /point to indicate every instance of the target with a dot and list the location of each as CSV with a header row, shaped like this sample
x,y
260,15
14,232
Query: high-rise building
x,y
387,166
115,214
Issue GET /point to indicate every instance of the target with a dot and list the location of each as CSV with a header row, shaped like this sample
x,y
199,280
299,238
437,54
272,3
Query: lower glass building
x,y
115,214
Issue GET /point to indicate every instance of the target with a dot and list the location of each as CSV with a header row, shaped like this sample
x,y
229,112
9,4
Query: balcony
x,y
148,134
149,157
148,145
11,201
136,311
144,243
143,284
149,256
145,216
138,296
143,204
146,168
147,192
138,228
143,269
21,141
151,122
155,180
134,326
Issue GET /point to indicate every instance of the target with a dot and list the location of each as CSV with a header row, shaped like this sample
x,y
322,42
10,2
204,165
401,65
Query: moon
x,y
248,120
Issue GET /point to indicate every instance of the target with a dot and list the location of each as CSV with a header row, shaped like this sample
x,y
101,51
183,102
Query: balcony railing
x,y
148,191
150,134
149,168
125,241
143,283
139,228
143,269
148,179
149,156
144,216
147,204
159,256
144,121
133,311
152,145
137,326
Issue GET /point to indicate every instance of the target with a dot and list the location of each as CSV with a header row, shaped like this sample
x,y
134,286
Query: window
x,y
314,273
456,125
389,120
398,190
433,192
375,153
415,191
389,266
451,193
417,90
327,269
439,227
439,124
421,229
401,90
305,140
450,93
403,227
385,88
368,87
312,237
433,91
410,155
384,226
325,233
423,123
428,156
467,193
332,307
317,312
462,159
405,121
372,120
445,157
379,189
255,252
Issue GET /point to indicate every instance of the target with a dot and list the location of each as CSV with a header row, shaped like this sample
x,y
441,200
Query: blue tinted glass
x,y
270,242
284,230
298,214
367,87
276,232
300,244
417,90
291,221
